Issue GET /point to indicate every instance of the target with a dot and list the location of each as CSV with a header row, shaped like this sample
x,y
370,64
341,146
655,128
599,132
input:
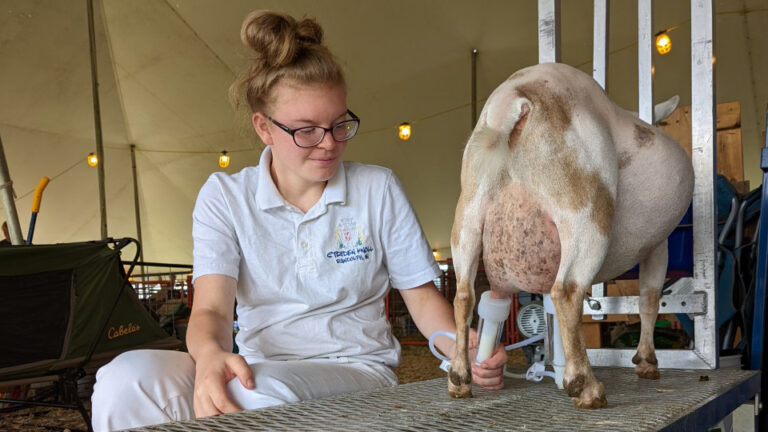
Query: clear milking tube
x,y
493,312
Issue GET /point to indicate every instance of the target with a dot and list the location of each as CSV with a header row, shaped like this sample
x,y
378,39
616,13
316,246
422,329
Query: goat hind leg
x,y
460,375
466,247
580,382
652,273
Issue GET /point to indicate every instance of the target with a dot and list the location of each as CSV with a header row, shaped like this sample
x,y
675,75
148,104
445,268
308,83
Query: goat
x,y
561,188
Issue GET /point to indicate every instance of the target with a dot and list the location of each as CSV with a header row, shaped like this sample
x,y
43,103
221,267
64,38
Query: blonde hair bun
x,y
286,49
277,38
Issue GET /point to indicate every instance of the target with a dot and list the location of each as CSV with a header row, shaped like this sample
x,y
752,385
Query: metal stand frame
x,y
758,330
757,359
696,295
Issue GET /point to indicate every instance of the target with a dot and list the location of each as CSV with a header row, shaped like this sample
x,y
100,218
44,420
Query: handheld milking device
x,y
493,312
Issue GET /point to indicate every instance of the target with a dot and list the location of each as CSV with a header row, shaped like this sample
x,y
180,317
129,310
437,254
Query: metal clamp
x,y
694,303
598,290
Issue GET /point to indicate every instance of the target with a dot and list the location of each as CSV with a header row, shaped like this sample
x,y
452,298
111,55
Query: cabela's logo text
x,y
114,333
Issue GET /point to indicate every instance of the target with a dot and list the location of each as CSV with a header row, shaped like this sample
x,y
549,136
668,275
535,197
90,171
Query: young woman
x,y
308,245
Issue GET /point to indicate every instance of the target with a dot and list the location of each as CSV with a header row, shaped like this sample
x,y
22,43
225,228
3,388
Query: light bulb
x,y
404,131
223,159
663,43
92,159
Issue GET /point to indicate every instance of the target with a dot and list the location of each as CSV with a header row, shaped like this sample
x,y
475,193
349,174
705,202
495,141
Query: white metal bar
x,y
691,303
668,359
703,145
549,31
645,60
600,44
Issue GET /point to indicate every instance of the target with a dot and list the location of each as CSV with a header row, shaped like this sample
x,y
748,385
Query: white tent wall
x,y
742,74
165,67
46,119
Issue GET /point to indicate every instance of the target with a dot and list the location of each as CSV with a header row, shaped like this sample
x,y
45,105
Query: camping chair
x,y
65,308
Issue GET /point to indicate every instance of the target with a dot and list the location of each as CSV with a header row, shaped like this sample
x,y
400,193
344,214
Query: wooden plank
x,y
728,115
592,334
624,287
729,156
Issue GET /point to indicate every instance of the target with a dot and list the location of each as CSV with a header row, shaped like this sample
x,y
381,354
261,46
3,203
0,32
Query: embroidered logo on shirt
x,y
350,242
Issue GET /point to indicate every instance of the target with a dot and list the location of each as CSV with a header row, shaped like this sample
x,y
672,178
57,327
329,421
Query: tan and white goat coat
x,y
561,188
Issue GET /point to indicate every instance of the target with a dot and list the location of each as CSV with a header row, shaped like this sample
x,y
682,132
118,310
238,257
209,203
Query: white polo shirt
x,y
312,285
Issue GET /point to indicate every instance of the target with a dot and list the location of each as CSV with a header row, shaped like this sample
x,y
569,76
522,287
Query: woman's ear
x,y
260,124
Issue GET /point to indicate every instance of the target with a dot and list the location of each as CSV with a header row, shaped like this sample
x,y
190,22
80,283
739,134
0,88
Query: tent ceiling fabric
x,y
165,67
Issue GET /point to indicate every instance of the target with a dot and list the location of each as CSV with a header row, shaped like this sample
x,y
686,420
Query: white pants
x,y
146,387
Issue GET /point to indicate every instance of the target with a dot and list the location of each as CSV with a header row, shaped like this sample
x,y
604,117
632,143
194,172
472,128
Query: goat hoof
x,y
648,372
586,394
647,366
600,402
459,384
459,391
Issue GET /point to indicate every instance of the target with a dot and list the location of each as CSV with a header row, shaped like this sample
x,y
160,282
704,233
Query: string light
x,y
663,43
92,159
404,131
224,159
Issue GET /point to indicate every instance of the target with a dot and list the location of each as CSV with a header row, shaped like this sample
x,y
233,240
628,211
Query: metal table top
x,y
682,400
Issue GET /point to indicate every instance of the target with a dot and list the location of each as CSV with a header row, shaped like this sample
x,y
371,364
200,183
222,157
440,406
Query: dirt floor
x,y
418,364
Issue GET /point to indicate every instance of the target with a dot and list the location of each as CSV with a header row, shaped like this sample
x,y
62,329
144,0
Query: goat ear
x,y
665,109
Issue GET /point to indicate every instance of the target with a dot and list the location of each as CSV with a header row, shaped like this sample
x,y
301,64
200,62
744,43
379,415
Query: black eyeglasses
x,y
310,136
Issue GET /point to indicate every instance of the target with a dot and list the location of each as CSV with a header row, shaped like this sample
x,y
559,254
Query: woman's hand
x,y
432,312
488,374
209,341
212,373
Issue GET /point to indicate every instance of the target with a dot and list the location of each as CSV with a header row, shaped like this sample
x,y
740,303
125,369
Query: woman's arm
x,y
209,341
432,312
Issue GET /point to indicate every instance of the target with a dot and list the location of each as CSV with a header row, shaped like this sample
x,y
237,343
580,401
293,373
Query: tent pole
x,y
474,88
97,120
6,193
136,204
